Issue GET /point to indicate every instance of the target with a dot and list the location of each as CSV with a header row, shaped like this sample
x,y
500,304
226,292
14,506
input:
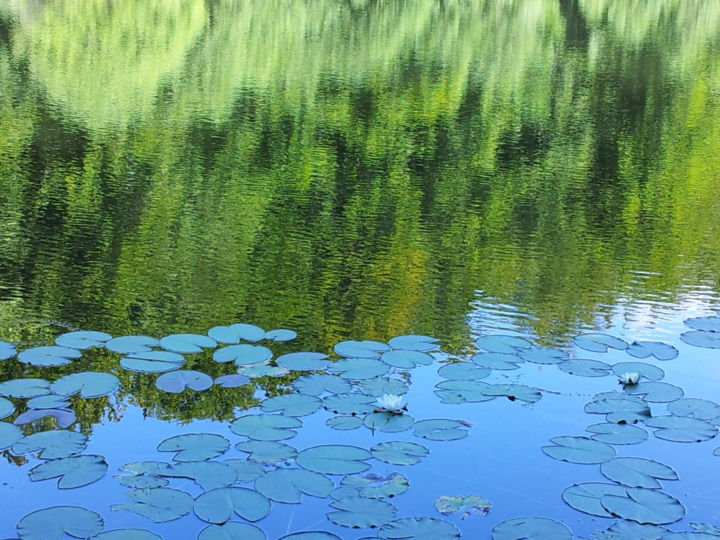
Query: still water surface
x,y
359,170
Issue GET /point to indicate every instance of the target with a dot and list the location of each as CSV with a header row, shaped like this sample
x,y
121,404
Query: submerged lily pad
x,y
637,472
317,383
243,355
587,497
236,333
414,342
423,528
359,368
288,485
644,349
292,404
681,429
73,471
617,433
440,430
152,361
83,339
266,427
158,504
9,435
531,528
232,530
599,342
399,452
218,505
187,343
269,452
358,512
195,446
131,344
465,505
24,388
48,356
303,361
53,523
176,382
360,349
501,343
644,506
89,384
56,443
334,459
579,450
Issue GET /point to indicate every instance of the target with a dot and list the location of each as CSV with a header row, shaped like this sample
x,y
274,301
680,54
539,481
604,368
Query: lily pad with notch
x,y
187,343
440,429
288,485
648,371
245,471
423,528
463,370
89,384
599,342
658,349
243,354
361,349
195,446
232,381
24,388
656,392
587,497
72,472
629,530
281,335
219,505
232,530
53,444
152,362
55,522
579,450
303,361
701,409
612,433
531,528
514,392
585,368
310,535
706,324
637,472
175,382
317,383
7,350
414,342
373,486
499,361
502,343
158,504
399,452
463,391
266,427
406,359
644,506
359,512
619,408
235,333
131,344
350,403
292,404
9,435
127,534
82,339
381,385
700,338
334,459
344,422
63,417
681,428
389,422
207,474
359,369
48,356
269,452
543,355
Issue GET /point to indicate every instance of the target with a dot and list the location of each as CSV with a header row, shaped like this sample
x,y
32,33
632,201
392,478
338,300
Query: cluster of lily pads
x,y
361,385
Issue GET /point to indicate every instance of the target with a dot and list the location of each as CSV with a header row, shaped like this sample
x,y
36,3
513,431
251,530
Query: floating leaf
x,y
440,430
629,530
681,429
350,404
689,536
292,404
9,435
463,391
195,446
218,505
53,444
303,361
472,503
269,452
500,343
49,401
266,427
24,388
500,361
399,452
236,333
388,422
381,386
334,459
7,350
359,368
152,361
207,474
599,342
463,370
423,528
89,384
360,349
513,392
643,349
262,370
414,342
83,339
617,433
531,528
317,383
127,534
232,530
48,356
373,486
637,472
310,535
648,371
579,450
701,409
243,355
644,506
344,423
187,343
53,523
158,504
706,324
6,407
543,355
585,368
405,359
232,381
656,392
707,340
619,407
360,512
587,497
131,344
146,467
288,485
142,482
73,471
63,417
281,334
246,471
176,382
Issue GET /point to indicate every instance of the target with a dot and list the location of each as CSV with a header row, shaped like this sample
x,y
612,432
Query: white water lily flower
x,y
391,403
627,379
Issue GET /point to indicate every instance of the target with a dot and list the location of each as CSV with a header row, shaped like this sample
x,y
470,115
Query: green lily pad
x,y
644,506
406,359
266,427
7,350
218,505
499,361
288,485
187,343
127,534
176,382
195,446
579,450
152,361
644,349
360,349
158,504
83,339
599,342
358,512
303,361
648,371
53,444
531,528
463,391
389,422
681,429
501,343
700,338
269,452
48,356
292,404
423,528
463,370
637,472
414,342
399,452
317,383
89,384
9,435
476,504
543,355
232,530
585,368
131,344
359,368
54,523
350,404
334,459
440,430
262,370
372,486
207,474
281,334
617,433
49,401
587,497
344,423
701,409
245,471
72,471
243,355
6,408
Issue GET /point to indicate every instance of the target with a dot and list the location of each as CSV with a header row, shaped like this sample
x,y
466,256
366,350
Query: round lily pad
x,y
706,324
644,506
334,459
317,383
281,334
389,422
350,404
656,392
207,474
262,370
463,370
54,523
501,343
612,433
235,333
50,356
6,408
701,409
187,343
89,384
158,504
648,371
543,355
243,355
63,417
531,528
344,423
266,427
406,359
176,382
9,435
587,497
681,429
310,535
359,368
497,360
358,512
152,361
373,486
268,452
414,342
599,342
399,452
83,339
131,344
232,381
637,472
219,505
195,446
56,443
360,349
440,430
380,386
699,338
585,368
579,450
72,471
49,401
303,361
423,528
463,391
7,350
644,349
127,534
292,404
288,485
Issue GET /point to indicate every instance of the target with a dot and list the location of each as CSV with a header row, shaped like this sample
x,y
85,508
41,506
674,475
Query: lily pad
x,y
334,459
236,333
656,392
83,339
187,343
195,446
292,404
6,408
699,338
359,368
513,392
585,368
463,370
281,334
89,384
499,361
9,435
543,355
53,444
629,530
531,528
579,450
232,530
620,408
463,391
587,497
243,355
399,452
644,506
269,452
176,382
500,343
288,485
158,504
303,361
48,356
423,528
440,430
414,342
54,523
360,349
310,535
49,401
372,486
706,324
63,417
72,471
350,404
152,361
127,534
232,381
246,471
389,422
648,371
131,344
24,388
617,433
701,409
637,472
142,481
266,427
681,429
218,505
599,342
7,350
358,512
317,383
381,386
206,474
476,504
344,423
406,359
658,349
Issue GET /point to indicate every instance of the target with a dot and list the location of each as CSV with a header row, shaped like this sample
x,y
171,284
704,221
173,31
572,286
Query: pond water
x,y
353,171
